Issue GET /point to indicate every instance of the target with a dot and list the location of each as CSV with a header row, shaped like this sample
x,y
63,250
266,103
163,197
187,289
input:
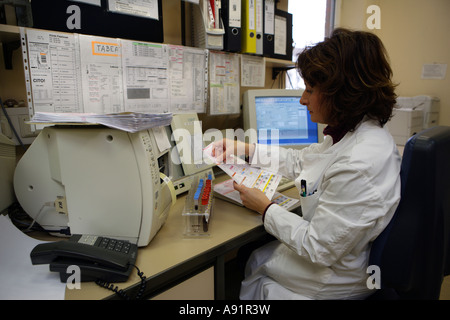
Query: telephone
x,y
99,258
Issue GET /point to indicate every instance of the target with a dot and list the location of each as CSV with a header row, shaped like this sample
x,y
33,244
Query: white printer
x,y
412,115
7,166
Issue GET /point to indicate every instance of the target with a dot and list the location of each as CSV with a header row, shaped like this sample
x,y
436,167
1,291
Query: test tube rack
x,y
198,207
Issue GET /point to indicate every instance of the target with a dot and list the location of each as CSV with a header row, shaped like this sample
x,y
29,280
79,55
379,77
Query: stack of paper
x,y
126,121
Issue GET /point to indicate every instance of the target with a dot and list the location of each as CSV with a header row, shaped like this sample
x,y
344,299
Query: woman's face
x,y
311,98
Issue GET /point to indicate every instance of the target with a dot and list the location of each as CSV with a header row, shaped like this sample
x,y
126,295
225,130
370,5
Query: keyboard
x,y
285,184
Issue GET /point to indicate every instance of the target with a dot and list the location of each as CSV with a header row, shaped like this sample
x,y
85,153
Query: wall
x,y
415,32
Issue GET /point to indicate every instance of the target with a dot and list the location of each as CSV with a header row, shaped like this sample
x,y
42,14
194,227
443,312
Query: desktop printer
x,y
7,165
96,181
412,115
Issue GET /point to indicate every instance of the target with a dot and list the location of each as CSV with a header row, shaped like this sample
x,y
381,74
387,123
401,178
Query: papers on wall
x,y
89,74
253,71
145,76
188,79
434,71
141,8
224,83
101,72
54,68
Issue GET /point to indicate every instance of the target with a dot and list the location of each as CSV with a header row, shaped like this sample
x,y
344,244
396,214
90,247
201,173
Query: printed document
x,y
77,73
226,191
188,78
140,8
54,71
145,76
224,83
253,71
244,174
101,71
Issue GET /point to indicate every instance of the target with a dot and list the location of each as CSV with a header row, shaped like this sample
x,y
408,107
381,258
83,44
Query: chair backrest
x,y
413,251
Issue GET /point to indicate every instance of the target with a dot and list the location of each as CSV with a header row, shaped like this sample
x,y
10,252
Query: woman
x,y
352,178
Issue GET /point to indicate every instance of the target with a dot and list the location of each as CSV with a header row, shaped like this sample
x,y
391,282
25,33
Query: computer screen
x,y
279,118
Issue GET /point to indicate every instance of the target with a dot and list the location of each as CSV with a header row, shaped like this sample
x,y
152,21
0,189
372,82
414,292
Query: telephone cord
x,y
120,292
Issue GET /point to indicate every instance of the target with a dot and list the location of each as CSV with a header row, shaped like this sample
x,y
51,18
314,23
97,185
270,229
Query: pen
x,y
303,187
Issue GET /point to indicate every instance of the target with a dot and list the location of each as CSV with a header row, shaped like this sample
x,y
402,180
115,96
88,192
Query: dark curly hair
x,y
353,75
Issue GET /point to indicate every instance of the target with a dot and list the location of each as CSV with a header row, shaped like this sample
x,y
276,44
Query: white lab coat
x,y
353,190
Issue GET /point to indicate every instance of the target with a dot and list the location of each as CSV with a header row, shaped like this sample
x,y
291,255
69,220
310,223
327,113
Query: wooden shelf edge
x,y
9,33
271,62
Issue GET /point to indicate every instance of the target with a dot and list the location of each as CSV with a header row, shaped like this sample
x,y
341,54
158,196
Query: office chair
x,y
413,251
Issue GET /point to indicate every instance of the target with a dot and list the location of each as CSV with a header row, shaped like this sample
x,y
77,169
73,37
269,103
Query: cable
x,y
143,284
11,125
287,74
122,294
110,286
47,204
25,223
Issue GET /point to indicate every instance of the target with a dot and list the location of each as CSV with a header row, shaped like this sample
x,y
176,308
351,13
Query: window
x,y
311,23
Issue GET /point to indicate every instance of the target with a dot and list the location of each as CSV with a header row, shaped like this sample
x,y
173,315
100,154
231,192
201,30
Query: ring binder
x,y
259,24
283,35
231,16
269,27
97,20
248,27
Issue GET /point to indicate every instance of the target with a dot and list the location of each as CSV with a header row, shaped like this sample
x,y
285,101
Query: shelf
x,y
9,33
278,63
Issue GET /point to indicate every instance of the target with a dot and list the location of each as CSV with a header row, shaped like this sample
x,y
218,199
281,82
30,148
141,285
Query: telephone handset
x,y
99,258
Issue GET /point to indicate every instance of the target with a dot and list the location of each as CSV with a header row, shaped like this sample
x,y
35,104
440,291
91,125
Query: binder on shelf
x,y
283,35
248,27
259,24
269,27
208,25
96,20
231,16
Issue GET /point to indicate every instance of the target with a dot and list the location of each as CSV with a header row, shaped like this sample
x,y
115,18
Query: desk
x,y
170,258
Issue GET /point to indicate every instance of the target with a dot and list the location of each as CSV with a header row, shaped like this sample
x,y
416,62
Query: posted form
x,y
54,72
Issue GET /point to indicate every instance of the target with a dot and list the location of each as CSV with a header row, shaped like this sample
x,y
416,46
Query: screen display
x,y
290,119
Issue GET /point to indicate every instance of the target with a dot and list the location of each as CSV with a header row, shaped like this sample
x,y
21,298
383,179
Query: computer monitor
x,y
279,118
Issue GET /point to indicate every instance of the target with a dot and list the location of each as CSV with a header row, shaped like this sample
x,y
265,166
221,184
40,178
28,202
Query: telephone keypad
x,y
106,243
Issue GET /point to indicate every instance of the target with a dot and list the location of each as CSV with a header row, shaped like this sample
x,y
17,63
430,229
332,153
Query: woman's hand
x,y
252,198
222,149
